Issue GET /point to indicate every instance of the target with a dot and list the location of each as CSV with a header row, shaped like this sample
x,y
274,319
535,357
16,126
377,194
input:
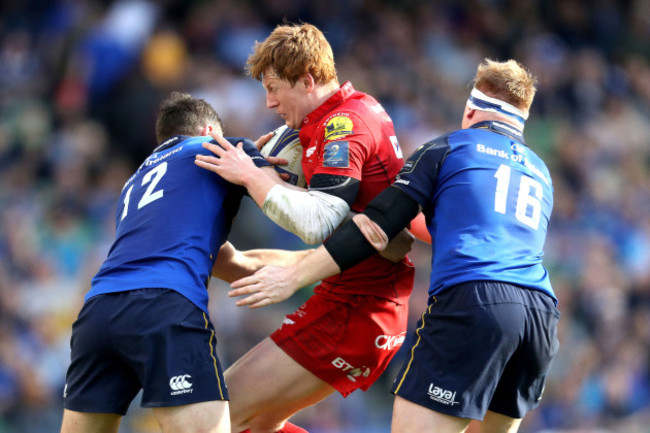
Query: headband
x,y
480,101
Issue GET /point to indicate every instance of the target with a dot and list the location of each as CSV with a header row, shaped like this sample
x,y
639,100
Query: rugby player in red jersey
x,y
336,340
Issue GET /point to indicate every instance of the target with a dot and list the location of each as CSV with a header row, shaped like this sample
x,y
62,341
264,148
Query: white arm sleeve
x,y
311,215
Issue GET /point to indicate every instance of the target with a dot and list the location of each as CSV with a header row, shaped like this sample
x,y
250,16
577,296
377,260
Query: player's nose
x,y
271,101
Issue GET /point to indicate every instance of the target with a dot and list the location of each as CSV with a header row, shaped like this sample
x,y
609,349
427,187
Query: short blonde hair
x,y
508,81
292,50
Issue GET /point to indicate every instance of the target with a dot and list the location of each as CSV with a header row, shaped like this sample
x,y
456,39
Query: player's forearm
x,y
275,257
311,215
314,267
259,183
232,264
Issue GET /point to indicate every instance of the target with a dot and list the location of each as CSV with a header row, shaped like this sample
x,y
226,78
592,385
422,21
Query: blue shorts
x,y
150,339
478,346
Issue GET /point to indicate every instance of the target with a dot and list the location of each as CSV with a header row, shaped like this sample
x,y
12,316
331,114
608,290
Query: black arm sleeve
x,y
348,246
392,210
343,187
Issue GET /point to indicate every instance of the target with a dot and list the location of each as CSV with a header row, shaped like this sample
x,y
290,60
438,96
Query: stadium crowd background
x,y
80,82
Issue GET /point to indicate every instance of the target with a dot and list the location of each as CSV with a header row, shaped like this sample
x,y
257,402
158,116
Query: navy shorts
x,y
150,339
478,346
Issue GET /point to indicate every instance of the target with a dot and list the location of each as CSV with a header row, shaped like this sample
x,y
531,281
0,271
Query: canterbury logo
x,y
180,383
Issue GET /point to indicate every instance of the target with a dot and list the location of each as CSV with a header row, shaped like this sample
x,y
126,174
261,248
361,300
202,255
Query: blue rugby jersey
x,y
172,217
487,199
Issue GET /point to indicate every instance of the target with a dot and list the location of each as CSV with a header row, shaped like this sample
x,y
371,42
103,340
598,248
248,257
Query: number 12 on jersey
x,y
529,197
149,195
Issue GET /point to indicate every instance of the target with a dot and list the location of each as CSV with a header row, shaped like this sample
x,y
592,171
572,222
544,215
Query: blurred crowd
x,y
80,84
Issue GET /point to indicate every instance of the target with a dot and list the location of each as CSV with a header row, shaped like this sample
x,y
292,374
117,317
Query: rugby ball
x,y
285,144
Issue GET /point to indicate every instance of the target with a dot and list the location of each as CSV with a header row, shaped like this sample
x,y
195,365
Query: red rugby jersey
x,y
351,135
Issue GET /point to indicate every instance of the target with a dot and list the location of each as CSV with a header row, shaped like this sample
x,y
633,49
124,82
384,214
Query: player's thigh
x,y
495,423
266,381
84,422
205,417
409,417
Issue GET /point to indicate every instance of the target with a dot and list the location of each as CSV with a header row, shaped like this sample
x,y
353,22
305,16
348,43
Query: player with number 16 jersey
x,y
487,199
483,347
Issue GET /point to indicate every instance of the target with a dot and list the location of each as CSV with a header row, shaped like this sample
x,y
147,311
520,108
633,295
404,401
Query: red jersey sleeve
x,y
347,144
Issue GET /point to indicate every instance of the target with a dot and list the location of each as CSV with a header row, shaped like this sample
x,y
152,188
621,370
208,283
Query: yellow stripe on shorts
x,y
417,331
214,358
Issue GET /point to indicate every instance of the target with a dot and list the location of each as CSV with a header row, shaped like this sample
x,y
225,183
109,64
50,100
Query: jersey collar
x,y
170,142
501,128
344,93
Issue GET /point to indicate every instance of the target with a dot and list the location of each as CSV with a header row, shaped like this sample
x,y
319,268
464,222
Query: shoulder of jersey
x,y
340,125
286,144
184,145
197,141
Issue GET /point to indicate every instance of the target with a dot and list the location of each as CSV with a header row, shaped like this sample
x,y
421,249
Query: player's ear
x,y
207,129
307,80
468,115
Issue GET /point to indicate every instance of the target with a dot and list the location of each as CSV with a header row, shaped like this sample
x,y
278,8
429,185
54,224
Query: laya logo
x,y
389,342
353,372
180,384
441,395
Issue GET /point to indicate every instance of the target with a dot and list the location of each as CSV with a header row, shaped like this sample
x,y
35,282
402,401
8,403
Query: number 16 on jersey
x,y
529,197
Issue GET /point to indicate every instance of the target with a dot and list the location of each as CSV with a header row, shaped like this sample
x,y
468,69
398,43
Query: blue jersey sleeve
x,y
250,149
419,176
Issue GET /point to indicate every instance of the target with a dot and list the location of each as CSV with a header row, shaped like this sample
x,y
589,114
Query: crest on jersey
x,y
337,154
338,127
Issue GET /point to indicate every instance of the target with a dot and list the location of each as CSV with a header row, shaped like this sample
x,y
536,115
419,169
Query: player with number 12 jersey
x,y
178,251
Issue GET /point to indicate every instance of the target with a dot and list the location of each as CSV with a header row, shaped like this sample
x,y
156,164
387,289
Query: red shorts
x,y
347,341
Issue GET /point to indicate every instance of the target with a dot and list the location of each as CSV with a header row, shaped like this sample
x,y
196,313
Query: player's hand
x,y
273,160
399,246
394,250
263,140
267,286
230,162
281,177
372,232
